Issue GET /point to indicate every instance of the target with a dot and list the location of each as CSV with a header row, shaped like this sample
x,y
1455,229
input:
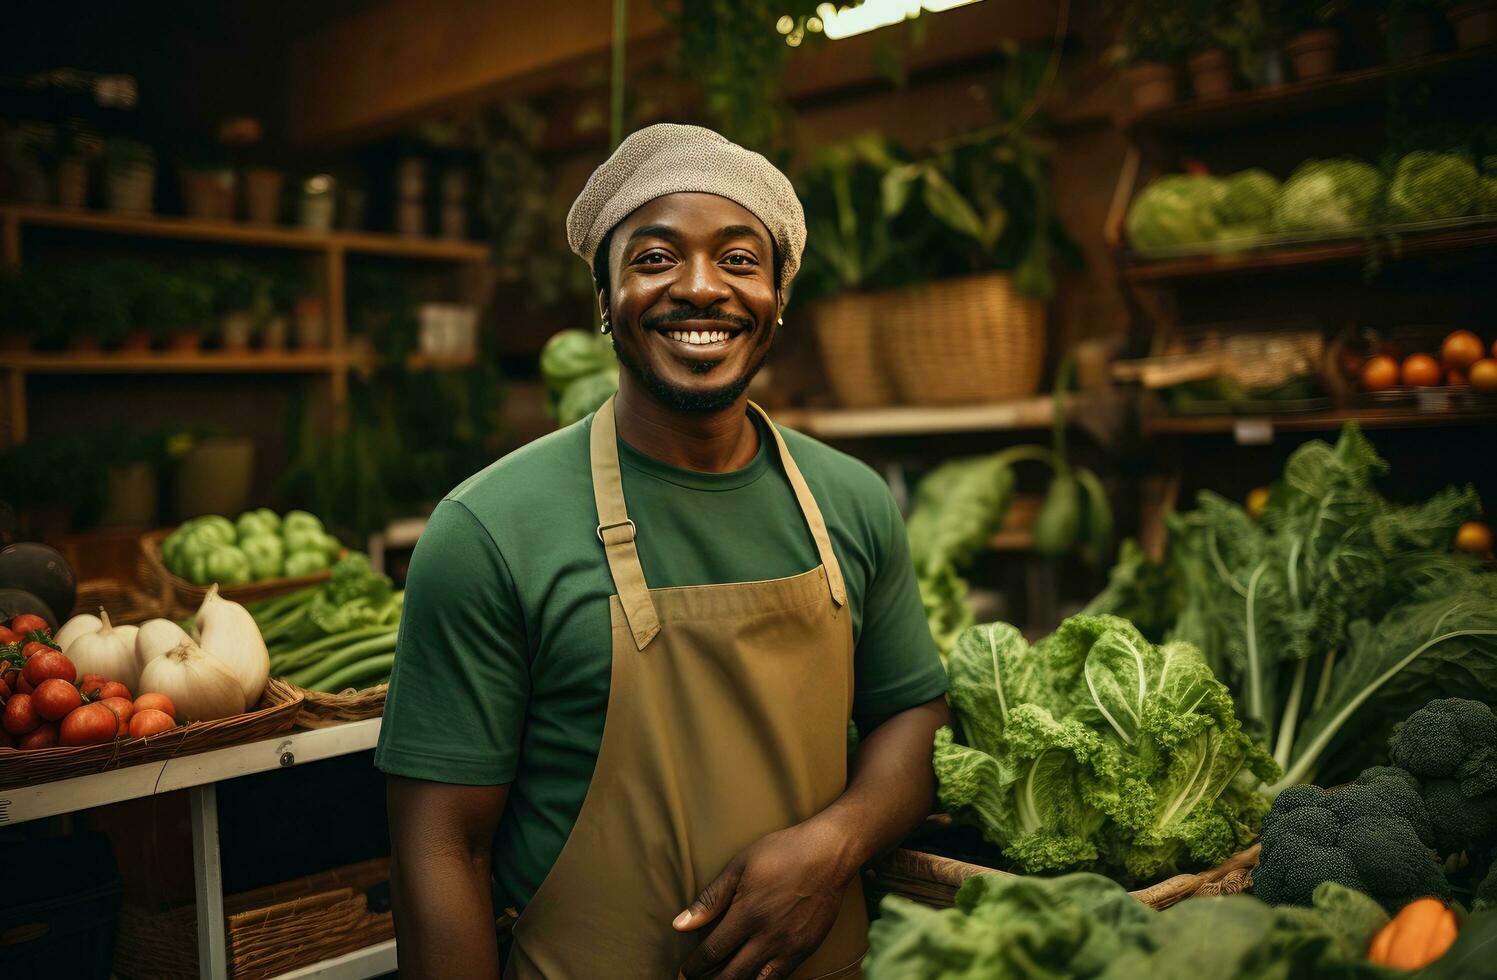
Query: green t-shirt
x,y
503,665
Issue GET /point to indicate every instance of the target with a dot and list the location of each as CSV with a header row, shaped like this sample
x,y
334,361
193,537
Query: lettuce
x,y
1097,749
1329,195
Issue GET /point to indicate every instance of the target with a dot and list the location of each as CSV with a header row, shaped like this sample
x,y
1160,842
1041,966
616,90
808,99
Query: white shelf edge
x,y
22,803
851,423
371,961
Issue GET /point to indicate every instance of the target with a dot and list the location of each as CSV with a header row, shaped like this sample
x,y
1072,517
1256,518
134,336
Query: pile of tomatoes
x,y
45,702
1464,360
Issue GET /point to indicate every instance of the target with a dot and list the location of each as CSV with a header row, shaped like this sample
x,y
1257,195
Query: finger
x,y
757,960
719,945
711,902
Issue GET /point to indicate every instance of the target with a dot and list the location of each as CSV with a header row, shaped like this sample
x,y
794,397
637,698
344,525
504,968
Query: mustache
x,y
694,313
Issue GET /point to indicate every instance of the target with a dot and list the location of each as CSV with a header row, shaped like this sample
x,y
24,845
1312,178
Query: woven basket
x,y
268,931
963,341
319,710
850,338
276,713
933,880
181,598
125,603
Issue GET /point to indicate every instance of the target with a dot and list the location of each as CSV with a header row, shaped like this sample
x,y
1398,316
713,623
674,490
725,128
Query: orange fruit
x,y
1421,371
1379,373
1483,375
1455,376
1475,537
1257,500
1461,349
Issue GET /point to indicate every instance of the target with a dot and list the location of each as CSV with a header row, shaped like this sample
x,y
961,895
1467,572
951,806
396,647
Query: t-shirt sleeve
x,y
456,705
896,664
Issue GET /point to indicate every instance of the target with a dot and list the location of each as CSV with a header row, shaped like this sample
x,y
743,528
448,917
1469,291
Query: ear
x,y
602,305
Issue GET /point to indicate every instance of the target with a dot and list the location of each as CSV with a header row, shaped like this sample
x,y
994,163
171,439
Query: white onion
x,y
105,652
156,636
228,633
200,687
76,627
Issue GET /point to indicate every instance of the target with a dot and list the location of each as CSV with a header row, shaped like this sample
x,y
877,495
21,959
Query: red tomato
x,y
5,691
92,724
49,663
1379,373
8,635
114,689
150,722
91,682
26,622
1421,371
44,737
23,686
122,709
20,715
159,702
35,647
10,672
54,698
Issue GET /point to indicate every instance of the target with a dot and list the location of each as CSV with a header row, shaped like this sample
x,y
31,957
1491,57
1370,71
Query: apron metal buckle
x,y
633,531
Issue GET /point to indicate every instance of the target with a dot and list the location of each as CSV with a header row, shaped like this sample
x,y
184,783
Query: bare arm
x,y
775,902
440,838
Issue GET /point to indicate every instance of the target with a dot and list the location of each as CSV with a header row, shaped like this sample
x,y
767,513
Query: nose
x,y
699,283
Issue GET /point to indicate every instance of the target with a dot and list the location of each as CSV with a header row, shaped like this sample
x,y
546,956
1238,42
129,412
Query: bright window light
x,y
839,22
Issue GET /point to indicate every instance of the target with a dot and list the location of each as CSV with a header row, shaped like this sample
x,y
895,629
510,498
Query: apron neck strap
x,y
617,531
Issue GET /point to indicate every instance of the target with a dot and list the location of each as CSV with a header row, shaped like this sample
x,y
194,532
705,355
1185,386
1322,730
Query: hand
x,y
774,903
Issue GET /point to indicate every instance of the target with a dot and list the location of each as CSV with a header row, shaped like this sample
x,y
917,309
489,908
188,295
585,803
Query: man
x,y
630,650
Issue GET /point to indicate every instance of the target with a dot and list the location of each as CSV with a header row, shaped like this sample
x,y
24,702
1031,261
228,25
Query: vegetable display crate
x,y
63,922
182,597
270,930
933,880
276,713
320,710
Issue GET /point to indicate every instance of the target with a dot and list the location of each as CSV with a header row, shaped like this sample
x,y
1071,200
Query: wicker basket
x,y
268,931
276,713
934,880
319,710
849,336
181,598
963,341
126,604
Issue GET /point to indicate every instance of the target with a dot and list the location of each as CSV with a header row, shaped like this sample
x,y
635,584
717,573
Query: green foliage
x,y
1329,196
1150,30
1428,186
233,286
1248,201
90,302
1359,836
1451,746
1176,209
355,596
29,304
170,301
585,396
1095,748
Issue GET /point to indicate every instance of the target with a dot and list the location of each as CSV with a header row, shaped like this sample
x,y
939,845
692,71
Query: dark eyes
x,y
741,260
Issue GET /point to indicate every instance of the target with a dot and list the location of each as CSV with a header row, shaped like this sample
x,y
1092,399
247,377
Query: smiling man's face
x,y
691,298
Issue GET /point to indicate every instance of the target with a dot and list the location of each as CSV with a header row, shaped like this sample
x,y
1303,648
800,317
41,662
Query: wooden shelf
x,y
1368,418
1330,94
165,362
416,361
1405,245
906,420
236,233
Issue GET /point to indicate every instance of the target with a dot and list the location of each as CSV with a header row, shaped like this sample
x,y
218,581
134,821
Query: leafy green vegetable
x,y
586,395
1177,209
266,553
1329,195
1427,186
571,355
1249,199
1095,748
1451,746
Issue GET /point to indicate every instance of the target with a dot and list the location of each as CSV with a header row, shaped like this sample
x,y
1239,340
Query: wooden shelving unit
x,y
327,252
1390,248
1368,418
909,420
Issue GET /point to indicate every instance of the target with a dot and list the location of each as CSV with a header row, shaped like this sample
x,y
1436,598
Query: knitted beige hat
x,y
669,158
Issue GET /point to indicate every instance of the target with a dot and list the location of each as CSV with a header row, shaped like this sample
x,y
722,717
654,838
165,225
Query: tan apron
x,y
727,720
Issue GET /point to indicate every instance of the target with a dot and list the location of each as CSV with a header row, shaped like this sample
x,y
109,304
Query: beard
x,y
684,400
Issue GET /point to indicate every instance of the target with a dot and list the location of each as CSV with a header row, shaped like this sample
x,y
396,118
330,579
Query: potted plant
x,y
28,310
1151,37
241,300
1410,29
262,194
129,176
285,287
1311,42
1209,34
77,147
1473,21
94,312
208,192
180,308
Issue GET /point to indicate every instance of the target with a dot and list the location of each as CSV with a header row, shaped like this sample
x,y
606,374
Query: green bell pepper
x,y
253,523
299,520
266,554
305,563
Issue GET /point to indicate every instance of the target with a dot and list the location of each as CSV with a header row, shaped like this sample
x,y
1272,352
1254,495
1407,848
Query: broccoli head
x,y
1451,738
1486,892
1353,835
1460,822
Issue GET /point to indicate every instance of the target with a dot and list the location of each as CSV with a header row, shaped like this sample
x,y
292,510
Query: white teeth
x,y
698,337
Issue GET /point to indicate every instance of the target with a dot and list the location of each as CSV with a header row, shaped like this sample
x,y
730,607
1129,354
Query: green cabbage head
x,y
1329,195
1429,186
1096,749
1249,197
1177,209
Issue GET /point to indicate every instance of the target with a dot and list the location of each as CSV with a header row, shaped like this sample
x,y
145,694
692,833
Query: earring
x,y
780,321
605,327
